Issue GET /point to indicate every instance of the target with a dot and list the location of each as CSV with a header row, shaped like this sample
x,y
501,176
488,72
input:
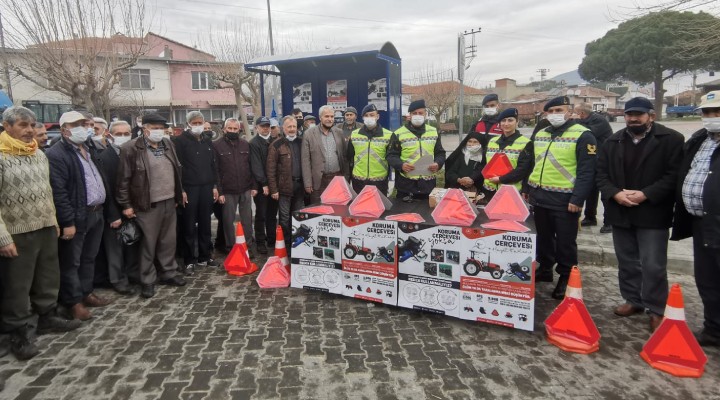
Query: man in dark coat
x,y
697,212
265,206
601,129
636,173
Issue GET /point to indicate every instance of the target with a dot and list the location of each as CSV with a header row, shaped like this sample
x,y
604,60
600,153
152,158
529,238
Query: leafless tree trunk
x,y
437,87
78,48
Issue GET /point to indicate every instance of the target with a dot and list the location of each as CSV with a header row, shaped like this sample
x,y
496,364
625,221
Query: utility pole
x,y
5,64
465,56
543,73
272,48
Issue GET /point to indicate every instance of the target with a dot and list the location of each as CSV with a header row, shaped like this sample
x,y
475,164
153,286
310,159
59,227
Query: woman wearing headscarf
x,y
462,168
513,145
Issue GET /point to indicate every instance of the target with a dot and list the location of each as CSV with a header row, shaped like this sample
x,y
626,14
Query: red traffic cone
x,y
673,348
238,261
280,249
570,326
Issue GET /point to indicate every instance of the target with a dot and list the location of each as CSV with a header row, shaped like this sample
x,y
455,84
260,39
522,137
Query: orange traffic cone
x,y
673,348
570,326
280,249
238,261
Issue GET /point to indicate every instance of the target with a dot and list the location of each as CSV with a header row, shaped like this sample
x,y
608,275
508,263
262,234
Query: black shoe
x,y
559,292
543,276
261,248
51,323
209,263
588,222
147,291
606,228
124,288
174,281
188,269
22,344
706,340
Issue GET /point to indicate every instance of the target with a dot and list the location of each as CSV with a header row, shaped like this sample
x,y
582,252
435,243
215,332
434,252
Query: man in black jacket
x,y
697,212
636,173
236,184
266,207
488,125
561,179
79,192
601,129
196,156
122,260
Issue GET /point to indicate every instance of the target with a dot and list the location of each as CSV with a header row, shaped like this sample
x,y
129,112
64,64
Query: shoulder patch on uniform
x,y
592,149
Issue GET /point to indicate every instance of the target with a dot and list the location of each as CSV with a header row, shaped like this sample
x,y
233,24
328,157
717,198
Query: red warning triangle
x,y
454,209
507,204
406,217
338,192
499,165
318,210
273,274
504,225
369,203
674,349
571,320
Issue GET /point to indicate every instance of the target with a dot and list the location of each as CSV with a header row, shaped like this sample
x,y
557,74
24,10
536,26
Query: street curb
x,y
600,256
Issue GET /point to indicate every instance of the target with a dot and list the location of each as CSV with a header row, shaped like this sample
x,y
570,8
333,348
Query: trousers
x,y
556,240
77,260
158,241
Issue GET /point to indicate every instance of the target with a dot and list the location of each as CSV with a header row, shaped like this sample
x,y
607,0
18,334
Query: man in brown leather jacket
x,y
149,189
284,173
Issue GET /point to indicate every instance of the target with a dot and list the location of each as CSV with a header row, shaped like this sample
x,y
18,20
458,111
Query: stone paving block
x,y
267,388
171,390
154,381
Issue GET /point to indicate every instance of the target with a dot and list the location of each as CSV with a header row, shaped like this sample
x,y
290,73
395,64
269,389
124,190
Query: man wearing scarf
x,y
29,271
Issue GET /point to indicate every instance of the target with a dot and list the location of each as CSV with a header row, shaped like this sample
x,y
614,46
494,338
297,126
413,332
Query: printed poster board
x,y
377,93
302,97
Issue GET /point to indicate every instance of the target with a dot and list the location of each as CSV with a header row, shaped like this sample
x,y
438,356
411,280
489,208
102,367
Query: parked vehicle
x,y
680,111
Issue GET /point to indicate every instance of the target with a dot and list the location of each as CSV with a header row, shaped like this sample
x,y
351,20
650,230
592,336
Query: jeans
x,y
642,265
77,260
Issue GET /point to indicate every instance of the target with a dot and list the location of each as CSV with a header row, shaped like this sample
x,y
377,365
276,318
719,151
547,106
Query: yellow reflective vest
x,y
511,151
556,160
369,162
413,148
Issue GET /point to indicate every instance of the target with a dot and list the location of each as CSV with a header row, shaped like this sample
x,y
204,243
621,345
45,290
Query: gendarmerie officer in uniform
x,y
561,179
367,152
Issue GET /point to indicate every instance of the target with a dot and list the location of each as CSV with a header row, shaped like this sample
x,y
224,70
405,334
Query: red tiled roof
x,y
441,86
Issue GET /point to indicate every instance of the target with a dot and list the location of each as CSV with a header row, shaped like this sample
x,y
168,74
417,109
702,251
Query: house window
x,y
135,79
202,81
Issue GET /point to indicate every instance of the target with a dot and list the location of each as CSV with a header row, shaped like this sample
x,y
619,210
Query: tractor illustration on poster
x,y
352,249
474,266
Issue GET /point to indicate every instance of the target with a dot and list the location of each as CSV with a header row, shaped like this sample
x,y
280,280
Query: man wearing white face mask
x,y
411,142
149,189
79,192
697,212
561,179
100,133
367,152
195,153
488,125
121,260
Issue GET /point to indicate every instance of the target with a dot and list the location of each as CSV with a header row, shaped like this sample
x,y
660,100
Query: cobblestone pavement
x,y
222,337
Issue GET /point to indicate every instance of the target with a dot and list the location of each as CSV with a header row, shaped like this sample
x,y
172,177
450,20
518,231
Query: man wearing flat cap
x,y
79,192
637,174
367,152
409,144
266,207
149,189
350,124
561,179
488,125
697,212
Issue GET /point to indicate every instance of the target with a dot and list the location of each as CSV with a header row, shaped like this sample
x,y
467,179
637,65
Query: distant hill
x,y
571,78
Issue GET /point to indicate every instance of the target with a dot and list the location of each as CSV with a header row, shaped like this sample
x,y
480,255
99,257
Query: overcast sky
x,y
518,36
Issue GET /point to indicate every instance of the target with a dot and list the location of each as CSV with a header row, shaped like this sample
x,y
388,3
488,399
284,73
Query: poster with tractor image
x,y
497,282
369,262
315,253
429,267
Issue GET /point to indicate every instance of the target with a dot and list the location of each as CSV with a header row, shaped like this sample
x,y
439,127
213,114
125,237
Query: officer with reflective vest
x,y
415,142
367,152
488,125
514,146
561,179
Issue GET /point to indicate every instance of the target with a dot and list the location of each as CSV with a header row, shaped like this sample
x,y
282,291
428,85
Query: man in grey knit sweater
x,y
29,270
